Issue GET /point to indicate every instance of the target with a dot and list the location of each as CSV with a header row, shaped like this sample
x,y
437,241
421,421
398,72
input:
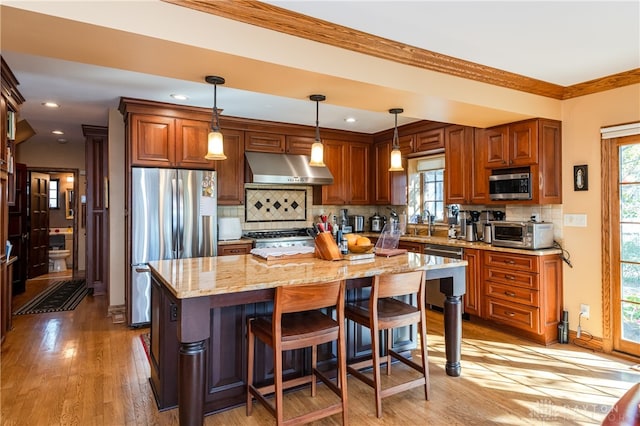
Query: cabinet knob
x,y
510,293
509,277
509,314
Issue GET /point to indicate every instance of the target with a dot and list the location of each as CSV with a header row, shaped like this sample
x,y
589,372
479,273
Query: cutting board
x,y
390,252
358,256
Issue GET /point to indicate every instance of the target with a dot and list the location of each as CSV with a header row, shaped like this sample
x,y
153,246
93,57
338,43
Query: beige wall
x,y
117,246
60,156
582,119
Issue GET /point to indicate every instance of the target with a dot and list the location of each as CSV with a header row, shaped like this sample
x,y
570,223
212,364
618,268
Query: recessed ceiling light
x,y
350,119
58,132
179,97
50,104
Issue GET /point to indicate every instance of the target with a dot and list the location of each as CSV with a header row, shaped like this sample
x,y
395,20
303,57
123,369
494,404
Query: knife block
x,y
326,247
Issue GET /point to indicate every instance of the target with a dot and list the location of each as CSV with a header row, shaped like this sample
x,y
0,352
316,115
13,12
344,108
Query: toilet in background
x,y
57,255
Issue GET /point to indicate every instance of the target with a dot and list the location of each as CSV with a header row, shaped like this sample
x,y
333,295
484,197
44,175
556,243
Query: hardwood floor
x,y
79,368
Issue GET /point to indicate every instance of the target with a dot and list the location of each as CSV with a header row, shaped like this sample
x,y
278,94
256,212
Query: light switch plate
x,y
575,220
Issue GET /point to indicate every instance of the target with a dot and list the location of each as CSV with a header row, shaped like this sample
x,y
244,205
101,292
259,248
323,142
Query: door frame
x,y
610,237
76,177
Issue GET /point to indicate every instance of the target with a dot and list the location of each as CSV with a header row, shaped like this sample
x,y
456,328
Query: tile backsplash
x,y
275,205
546,213
282,207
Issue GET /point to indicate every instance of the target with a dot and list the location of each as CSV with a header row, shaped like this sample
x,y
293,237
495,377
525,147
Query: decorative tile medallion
x,y
275,205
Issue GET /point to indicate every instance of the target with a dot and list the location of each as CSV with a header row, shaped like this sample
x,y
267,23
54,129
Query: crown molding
x,y
295,24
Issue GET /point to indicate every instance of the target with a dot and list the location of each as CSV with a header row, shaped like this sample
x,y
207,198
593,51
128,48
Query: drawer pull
x,y
509,277
510,314
510,293
510,262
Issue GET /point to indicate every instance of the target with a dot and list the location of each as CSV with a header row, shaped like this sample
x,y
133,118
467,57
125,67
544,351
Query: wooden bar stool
x,y
297,323
384,312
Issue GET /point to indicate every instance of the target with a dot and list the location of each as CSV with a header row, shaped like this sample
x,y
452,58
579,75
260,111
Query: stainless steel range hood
x,y
284,169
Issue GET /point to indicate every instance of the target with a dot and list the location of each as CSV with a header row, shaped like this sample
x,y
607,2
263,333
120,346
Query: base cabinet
x,y
226,349
524,292
473,297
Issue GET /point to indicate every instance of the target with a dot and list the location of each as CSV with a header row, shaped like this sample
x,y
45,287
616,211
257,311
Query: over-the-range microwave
x,y
523,235
510,186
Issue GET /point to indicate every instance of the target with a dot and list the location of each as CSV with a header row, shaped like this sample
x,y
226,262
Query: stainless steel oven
x,y
280,238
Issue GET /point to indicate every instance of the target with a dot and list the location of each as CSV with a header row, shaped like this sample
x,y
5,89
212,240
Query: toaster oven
x,y
523,235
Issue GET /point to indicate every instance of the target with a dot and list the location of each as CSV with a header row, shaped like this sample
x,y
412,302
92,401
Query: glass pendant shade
x,y
317,155
396,161
215,148
396,155
317,149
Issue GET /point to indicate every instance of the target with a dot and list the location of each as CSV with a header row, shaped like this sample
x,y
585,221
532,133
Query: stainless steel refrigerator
x,y
173,216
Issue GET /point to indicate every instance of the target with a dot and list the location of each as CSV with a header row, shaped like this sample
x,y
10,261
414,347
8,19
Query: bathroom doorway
x,y
53,242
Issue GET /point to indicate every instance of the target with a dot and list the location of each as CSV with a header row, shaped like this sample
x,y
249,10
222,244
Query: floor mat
x,y
60,296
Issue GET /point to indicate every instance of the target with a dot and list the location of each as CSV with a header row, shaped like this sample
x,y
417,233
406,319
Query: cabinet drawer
x,y
513,314
233,249
511,277
511,261
512,293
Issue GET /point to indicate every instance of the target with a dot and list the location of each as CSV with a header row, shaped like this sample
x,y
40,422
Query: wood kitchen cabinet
x,y
534,144
300,145
524,292
241,247
388,187
264,142
230,172
473,296
349,165
164,135
430,140
459,159
157,141
513,145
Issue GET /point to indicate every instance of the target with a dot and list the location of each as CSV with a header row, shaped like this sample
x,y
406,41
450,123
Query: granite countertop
x,y
424,239
206,276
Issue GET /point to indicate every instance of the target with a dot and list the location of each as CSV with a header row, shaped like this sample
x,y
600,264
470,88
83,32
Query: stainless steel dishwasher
x,y
434,297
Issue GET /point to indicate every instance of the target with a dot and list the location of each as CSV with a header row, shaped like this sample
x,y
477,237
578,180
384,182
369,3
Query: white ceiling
x,y
558,42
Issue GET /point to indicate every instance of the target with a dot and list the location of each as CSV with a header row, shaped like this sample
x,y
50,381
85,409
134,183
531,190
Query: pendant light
x,y
396,155
215,148
317,149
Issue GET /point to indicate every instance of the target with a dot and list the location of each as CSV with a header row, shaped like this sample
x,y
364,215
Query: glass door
x,y
626,289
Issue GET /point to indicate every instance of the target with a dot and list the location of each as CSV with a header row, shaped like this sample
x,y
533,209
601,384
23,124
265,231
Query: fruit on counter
x,y
352,239
363,241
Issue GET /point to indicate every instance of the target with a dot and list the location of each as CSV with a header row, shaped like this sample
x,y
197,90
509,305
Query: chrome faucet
x,y
428,222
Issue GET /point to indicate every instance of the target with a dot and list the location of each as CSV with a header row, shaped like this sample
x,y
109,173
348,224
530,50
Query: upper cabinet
x,y
159,136
389,187
415,139
535,144
230,172
349,164
429,140
512,145
459,160
300,145
264,142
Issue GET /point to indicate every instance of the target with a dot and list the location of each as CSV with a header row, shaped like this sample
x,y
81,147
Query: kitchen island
x,y
199,311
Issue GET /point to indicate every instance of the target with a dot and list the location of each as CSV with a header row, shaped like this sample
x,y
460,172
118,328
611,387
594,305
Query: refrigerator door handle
x,y
180,239
174,223
143,270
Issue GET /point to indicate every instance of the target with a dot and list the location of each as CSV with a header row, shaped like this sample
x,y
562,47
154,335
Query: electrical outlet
x,y
584,310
